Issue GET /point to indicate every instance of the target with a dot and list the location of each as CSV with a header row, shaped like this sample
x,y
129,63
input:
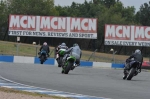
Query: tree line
x,y
106,11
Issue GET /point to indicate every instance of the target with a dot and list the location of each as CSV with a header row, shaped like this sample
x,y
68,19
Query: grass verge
x,y
9,90
10,48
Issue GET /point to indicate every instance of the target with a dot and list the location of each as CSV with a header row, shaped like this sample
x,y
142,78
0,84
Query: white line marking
x,y
51,89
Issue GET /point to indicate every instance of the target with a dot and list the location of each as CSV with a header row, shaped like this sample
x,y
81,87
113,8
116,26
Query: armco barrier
x,y
52,61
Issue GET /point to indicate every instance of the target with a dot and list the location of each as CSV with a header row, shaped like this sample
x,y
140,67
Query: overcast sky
x,y
135,3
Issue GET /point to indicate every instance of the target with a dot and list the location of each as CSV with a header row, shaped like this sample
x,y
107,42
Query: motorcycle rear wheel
x,y
68,67
131,74
42,59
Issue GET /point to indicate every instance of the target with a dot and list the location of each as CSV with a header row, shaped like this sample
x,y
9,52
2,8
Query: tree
x,y
3,18
32,7
107,3
142,15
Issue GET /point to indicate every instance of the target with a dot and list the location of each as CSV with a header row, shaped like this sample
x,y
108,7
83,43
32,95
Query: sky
x,y
135,3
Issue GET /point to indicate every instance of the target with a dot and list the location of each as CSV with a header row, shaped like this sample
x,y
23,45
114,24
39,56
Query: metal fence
x,y
20,49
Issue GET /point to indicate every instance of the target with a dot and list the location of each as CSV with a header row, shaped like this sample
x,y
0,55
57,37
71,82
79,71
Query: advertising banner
x,y
51,26
126,35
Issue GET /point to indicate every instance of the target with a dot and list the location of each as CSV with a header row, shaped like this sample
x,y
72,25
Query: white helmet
x,y
137,51
45,43
63,44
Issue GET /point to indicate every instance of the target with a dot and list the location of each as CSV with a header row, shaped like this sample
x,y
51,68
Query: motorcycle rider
x,y
45,47
61,46
136,56
74,51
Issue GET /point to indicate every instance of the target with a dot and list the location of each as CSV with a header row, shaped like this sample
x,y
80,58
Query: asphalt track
x,y
98,82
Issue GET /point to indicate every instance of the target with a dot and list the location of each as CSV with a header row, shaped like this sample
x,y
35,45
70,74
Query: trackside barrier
x,y
101,65
117,65
49,61
22,59
52,61
6,58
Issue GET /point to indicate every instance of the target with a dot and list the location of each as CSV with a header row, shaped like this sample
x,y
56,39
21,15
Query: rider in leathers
x,y
44,47
137,57
62,46
76,52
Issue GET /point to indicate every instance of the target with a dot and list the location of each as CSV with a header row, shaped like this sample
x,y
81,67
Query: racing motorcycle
x,y
61,53
132,71
43,56
68,64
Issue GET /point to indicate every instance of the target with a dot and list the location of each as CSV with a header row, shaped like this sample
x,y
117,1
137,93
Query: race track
x,y
106,83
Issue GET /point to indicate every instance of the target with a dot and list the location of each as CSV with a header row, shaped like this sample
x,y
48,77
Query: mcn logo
x,y
124,32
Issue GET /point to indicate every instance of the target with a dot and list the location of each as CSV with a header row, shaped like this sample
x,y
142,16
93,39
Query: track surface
x,y
106,83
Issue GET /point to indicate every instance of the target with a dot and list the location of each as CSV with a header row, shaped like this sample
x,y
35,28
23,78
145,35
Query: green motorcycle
x,y
68,64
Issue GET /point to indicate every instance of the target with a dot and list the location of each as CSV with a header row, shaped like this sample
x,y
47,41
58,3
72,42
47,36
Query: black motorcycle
x,y
132,70
43,56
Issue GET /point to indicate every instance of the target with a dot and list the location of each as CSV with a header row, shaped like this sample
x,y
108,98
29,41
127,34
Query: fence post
x,y
36,50
17,48
92,54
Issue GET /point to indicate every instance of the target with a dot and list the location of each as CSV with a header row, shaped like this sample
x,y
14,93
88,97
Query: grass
x,y
8,90
10,48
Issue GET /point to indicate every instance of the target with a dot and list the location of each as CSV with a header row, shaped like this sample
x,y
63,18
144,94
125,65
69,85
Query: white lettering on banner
x,y
142,32
27,33
139,32
110,31
45,22
51,34
83,24
14,21
51,26
31,22
125,43
117,31
24,21
73,35
147,31
127,35
53,23
15,32
86,35
75,24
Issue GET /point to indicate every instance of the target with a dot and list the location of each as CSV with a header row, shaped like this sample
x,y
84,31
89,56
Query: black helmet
x,y
75,44
63,44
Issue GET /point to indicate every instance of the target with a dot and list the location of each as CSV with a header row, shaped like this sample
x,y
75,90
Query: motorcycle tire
x,y
42,59
60,61
68,67
131,74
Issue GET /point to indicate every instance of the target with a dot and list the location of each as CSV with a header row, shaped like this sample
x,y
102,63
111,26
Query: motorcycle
x,y
43,56
68,64
61,53
132,71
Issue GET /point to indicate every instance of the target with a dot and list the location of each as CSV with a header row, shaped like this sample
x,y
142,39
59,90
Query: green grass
x,y
10,48
8,90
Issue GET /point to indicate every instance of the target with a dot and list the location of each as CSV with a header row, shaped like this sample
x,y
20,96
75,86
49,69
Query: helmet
x,y
75,44
45,43
63,44
137,51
